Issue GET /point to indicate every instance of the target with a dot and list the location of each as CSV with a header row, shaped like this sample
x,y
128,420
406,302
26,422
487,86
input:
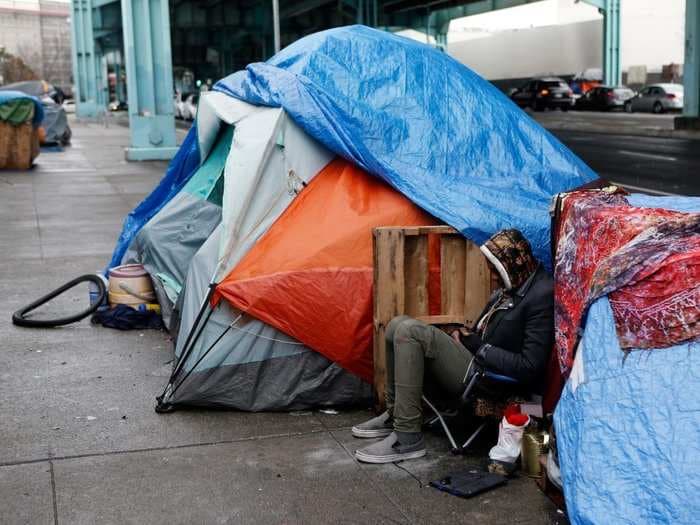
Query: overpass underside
x,y
138,45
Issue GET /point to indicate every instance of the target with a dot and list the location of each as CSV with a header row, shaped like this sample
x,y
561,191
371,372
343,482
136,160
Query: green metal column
x,y
610,9
691,68
612,72
367,12
101,79
149,76
441,30
84,62
437,25
120,88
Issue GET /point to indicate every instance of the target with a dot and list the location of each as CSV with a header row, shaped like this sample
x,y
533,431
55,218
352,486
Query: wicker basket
x,y
19,145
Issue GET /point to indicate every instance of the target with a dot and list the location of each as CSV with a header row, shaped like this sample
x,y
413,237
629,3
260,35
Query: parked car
x,y
37,88
118,105
604,98
657,98
69,106
189,106
542,93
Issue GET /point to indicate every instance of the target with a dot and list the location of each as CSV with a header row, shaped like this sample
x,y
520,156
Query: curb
x,y
633,132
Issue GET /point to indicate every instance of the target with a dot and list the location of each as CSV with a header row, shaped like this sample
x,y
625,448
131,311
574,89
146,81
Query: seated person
x,y
513,336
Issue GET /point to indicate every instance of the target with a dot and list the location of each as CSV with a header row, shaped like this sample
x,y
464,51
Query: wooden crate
x,y
19,145
401,281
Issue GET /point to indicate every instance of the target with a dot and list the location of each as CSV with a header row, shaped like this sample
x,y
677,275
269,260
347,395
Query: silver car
x,y
657,98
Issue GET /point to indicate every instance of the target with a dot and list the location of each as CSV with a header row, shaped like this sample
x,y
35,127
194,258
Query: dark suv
x,y
604,98
542,93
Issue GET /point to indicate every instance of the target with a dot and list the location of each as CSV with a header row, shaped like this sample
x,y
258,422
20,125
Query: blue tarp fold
x,y
179,171
432,128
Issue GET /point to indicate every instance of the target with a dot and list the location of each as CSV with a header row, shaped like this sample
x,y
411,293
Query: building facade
x,y
564,37
39,33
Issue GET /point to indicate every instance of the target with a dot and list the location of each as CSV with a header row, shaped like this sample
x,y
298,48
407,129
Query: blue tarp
x,y
179,171
7,96
435,130
432,128
629,433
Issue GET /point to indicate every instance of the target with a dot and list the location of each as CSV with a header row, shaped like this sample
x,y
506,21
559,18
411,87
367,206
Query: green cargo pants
x,y
413,349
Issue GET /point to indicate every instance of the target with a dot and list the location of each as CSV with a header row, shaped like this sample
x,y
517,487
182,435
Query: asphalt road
x,y
648,164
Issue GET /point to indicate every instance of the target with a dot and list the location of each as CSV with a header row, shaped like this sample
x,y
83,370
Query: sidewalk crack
x,y
378,486
53,493
38,224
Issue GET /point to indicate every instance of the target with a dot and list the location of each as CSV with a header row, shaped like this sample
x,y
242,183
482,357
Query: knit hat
x,y
510,254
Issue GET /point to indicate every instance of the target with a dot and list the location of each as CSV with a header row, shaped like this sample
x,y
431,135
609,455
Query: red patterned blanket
x,y
647,260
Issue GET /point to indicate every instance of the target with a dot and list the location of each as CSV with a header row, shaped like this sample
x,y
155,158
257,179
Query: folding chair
x,y
477,376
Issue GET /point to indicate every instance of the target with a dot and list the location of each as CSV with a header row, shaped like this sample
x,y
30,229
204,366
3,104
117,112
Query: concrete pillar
x,y
120,89
149,77
84,61
691,69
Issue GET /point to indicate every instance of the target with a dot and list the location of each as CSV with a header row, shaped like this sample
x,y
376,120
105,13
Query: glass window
x,y
552,83
624,92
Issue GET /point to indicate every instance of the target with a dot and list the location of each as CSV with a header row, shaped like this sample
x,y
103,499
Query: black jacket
x,y
520,335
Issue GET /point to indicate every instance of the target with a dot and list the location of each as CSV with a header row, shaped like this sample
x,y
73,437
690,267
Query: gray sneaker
x,y
377,427
389,450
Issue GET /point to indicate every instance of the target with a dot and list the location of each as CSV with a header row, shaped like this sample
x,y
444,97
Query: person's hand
x,y
469,340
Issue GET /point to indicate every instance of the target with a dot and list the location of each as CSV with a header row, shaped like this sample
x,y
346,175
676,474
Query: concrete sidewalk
x,y
81,443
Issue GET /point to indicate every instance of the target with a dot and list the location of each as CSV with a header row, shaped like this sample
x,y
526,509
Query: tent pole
x,y
201,358
192,338
189,342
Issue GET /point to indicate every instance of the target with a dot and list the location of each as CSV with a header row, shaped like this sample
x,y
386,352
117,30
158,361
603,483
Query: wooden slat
x,y
416,275
441,319
389,284
477,283
452,272
401,283
495,280
420,230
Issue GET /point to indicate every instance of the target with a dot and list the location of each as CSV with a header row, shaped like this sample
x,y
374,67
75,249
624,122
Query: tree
x,y
13,69
57,61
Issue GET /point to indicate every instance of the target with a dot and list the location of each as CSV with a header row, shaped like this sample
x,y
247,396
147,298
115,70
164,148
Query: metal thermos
x,y
533,446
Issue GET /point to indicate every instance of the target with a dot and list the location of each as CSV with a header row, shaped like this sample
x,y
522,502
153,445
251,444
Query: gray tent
x,y
255,161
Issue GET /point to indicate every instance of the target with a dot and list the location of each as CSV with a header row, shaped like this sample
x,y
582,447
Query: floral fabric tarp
x,y
646,259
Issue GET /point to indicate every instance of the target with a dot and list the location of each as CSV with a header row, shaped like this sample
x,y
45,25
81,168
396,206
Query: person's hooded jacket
x,y
514,334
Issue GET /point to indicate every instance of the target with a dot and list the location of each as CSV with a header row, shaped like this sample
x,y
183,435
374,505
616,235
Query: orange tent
x,y
310,275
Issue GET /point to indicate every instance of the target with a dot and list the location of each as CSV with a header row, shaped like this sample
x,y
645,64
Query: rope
x,y
260,336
